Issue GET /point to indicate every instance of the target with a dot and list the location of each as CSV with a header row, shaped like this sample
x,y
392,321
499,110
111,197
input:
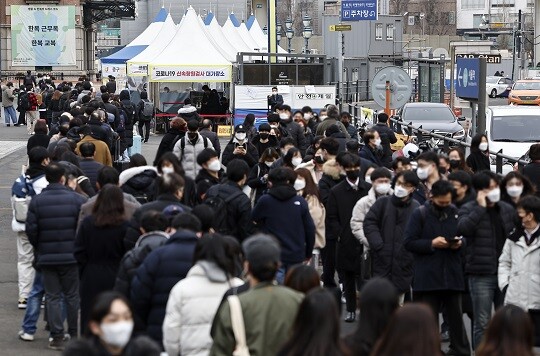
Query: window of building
x,y
378,31
473,4
502,3
390,32
477,19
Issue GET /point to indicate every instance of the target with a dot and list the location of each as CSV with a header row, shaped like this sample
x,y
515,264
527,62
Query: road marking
x,y
8,147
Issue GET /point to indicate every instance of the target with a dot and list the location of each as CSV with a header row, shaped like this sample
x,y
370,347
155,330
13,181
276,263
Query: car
x,y
525,92
498,86
435,117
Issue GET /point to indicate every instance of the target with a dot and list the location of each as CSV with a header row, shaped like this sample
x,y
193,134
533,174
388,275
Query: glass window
x,y
515,128
502,3
378,31
390,32
428,113
473,4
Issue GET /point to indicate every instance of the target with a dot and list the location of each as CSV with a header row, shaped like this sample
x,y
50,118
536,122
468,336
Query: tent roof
x,y
234,37
252,19
215,35
190,46
140,43
161,41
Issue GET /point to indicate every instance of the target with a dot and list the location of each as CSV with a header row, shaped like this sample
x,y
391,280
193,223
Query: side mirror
x,y
461,119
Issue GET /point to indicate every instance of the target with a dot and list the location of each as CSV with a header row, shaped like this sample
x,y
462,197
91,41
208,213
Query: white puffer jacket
x,y
519,269
191,308
359,214
191,151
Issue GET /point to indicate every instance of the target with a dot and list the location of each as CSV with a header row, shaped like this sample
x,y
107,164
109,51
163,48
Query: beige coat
x,y
318,214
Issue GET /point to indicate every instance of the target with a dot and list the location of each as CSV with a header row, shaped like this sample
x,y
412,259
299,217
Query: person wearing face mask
x,y
263,140
274,100
210,174
346,120
239,147
478,160
372,150
332,118
282,203
169,163
485,223
519,264
431,236
515,186
111,325
298,117
388,137
276,129
384,225
295,131
258,176
176,131
188,148
314,166
428,173
292,159
444,165
462,182
343,197
456,159
331,171
311,119
333,132
380,187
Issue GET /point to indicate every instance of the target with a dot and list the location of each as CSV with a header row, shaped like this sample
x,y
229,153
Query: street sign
x,y
358,10
410,20
400,87
490,58
468,78
340,28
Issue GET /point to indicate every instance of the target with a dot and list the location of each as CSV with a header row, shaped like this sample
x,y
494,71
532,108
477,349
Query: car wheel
x,y
494,93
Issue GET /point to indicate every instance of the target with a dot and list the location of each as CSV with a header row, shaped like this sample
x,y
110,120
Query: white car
x,y
497,86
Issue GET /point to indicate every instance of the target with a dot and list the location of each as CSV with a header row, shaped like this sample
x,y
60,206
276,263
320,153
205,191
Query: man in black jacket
x,y
484,224
51,227
274,100
295,131
387,137
206,131
111,85
239,147
88,164
532,170
342,199
177,130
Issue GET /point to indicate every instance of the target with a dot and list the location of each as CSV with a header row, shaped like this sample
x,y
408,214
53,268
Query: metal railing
x,y
448,142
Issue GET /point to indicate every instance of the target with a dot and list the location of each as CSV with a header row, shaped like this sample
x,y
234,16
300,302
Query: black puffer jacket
x,y
90,168
483,249
51,224
296,132
167,142
139,182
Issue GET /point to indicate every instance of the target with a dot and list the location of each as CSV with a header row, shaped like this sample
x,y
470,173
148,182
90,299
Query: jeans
x,y
25,271
146,125
58,280
10,115
282,272
484,293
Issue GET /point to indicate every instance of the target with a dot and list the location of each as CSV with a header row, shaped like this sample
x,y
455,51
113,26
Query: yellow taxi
x,y
525,92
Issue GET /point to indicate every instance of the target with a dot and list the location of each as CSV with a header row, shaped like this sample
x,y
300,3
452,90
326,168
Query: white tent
x,y
232,34
244,34
257,33
190,57
138,65
215,35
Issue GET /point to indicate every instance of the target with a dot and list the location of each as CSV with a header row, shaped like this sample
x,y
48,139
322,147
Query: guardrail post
x,y
498,162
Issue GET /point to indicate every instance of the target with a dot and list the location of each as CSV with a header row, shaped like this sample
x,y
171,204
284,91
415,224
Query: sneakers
x,y
58,343
25,336
22,303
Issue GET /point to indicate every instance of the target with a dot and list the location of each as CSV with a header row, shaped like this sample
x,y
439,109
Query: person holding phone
x,y
431,236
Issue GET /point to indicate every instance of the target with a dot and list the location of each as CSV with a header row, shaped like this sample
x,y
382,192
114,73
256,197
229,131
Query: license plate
x,y
528,101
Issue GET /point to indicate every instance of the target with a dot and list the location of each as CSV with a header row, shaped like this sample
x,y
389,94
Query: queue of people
x,y
202,253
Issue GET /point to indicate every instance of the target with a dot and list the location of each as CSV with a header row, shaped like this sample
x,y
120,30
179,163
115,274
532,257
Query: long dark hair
x,y
172,159
214,248
102,306
311,188
287,159
378,302
109,207
528,187
510,332
302,278
269,153
412,331
475,142
315,331
462,163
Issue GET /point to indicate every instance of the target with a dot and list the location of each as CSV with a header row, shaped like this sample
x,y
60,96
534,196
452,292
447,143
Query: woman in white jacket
x,y
380,180
519,264
193,302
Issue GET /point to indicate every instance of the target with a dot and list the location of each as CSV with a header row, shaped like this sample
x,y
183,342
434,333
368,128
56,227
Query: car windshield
x,y
527,86
433,113
515,128
492,79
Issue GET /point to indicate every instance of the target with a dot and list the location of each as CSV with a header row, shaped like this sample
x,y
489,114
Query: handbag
x,y
237,321
367,264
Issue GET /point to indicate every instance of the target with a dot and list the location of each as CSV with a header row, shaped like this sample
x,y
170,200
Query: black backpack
x,y
28,80
219,206
130,112
24,103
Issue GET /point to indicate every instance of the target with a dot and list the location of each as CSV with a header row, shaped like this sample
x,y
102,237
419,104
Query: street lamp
x,y
307,35
288,23
306,21
278,32
265,30
290,35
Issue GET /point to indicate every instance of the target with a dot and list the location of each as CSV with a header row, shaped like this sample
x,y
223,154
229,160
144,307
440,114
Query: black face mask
x,y
319,159
442,170
454,163
264,136
352,175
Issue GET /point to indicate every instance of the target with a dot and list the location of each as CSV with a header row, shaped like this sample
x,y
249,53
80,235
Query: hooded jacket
x,y
167,142
329,121
330,178
359,214
189,113
296,132
35,172
188,155
139,182
283,204
186,328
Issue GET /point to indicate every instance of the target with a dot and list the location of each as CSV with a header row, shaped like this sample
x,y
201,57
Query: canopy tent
x,y
230,31
215,35
257,33
244,34
190,56
138,65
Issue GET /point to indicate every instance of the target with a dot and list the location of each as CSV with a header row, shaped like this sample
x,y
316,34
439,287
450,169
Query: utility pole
x,y
340,68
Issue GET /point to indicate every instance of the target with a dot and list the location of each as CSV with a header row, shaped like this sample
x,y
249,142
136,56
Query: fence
x,y
360,90
448,142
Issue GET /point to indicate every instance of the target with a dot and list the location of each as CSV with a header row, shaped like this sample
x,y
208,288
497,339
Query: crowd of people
x,y
212,250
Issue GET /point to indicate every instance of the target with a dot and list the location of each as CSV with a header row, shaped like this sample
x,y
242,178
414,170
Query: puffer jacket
x,y
51,224
483,249
188,156
157,275
139,182
133,258
186,328
90,169
519,270
330,178
35,171
359,214
318,214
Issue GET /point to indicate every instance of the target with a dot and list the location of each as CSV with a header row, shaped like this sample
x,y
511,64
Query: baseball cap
x,y
240,128
261,250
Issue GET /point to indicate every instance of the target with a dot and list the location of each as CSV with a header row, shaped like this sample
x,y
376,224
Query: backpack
x,y
219,206
28,80
148,108
130,113
121,121
24,102
183,145
22,192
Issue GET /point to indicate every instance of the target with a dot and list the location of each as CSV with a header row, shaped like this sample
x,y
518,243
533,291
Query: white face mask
x,y
322,117
167,170
269,164
214,166
283,116
382,188
378,142
483,146
307,116
400,192
299,184
296,161
117,334
423,173
240,136
274,125
514,191
368,179
494,195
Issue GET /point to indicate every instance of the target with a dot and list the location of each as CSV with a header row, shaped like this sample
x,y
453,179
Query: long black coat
x,y
339,207
251,157
167,143
98,251
532,171
384,226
